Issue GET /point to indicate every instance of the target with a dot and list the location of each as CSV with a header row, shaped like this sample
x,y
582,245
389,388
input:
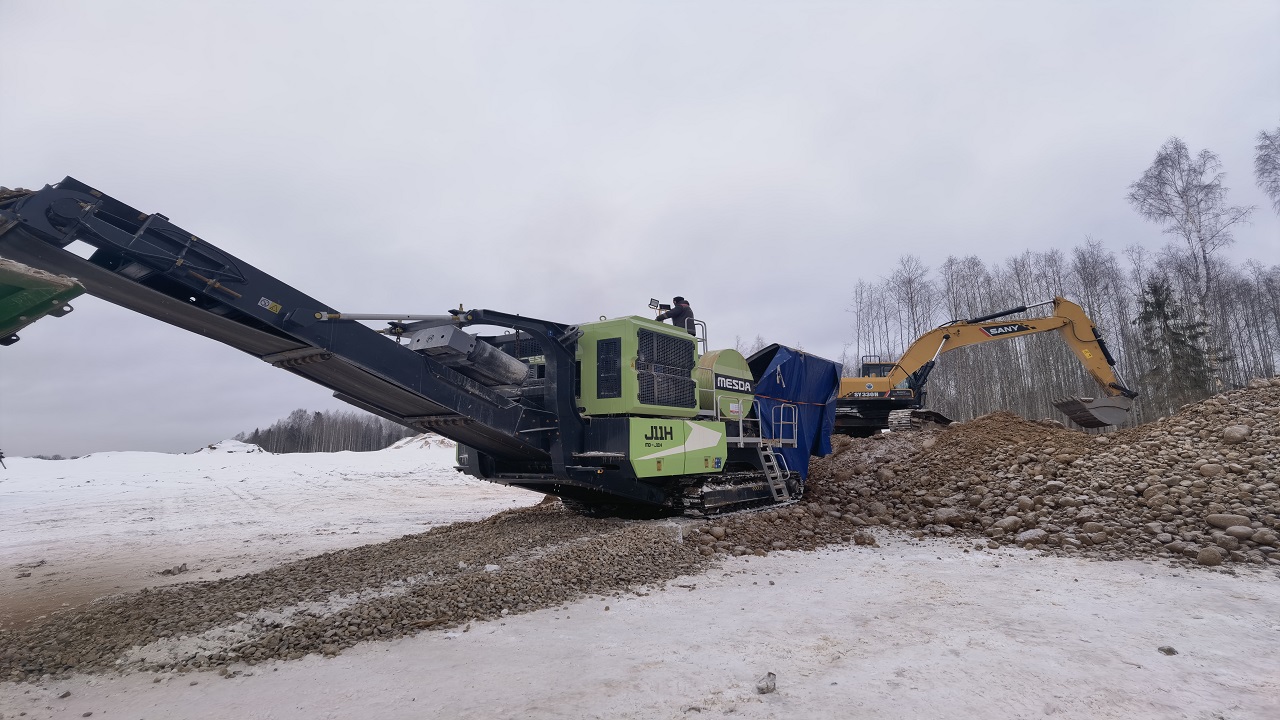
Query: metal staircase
x,y
776,472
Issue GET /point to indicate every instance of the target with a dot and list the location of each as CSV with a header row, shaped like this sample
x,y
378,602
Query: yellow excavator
x,y
891,395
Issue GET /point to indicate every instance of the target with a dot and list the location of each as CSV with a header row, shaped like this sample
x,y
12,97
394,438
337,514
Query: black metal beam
x,y
994,315
559,343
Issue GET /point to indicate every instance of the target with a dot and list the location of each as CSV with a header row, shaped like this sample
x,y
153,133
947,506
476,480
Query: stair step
x,y
773,472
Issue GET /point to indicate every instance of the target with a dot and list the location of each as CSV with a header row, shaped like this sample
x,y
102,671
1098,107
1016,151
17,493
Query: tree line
x,y
1182,320
328,431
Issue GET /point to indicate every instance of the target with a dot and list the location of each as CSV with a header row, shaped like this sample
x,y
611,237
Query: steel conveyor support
x,y
146,263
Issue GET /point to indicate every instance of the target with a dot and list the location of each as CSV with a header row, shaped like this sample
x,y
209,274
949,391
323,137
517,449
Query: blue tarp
x,y
811,383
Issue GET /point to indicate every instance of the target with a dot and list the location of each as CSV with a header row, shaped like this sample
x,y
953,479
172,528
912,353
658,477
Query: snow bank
x,y
425,441
110,521
230,446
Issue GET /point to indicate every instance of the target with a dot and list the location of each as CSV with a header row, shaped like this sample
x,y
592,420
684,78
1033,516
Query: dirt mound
x,y
1200,485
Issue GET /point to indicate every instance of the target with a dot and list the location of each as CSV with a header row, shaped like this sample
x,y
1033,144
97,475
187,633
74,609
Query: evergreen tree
x,y
1175,367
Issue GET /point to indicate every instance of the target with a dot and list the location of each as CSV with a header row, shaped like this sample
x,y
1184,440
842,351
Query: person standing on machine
x,y
680,314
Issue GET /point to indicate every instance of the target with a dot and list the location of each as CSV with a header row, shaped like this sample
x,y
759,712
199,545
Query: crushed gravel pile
x,y
1200,485
513,562
13,193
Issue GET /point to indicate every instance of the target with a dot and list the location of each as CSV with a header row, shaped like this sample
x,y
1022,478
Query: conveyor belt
x,y
147,265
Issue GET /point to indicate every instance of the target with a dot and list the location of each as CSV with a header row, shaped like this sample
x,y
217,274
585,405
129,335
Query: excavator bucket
x,y
28,294
1095,413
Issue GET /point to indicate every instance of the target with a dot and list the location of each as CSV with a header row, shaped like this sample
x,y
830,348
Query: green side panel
x,y
657,447
661,448
27,294
616,387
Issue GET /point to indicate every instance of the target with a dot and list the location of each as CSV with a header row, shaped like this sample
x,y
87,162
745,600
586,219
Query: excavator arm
x,y
1067,318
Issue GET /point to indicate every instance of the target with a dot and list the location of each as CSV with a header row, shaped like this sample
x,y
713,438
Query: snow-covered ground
x,y
111,522
911,629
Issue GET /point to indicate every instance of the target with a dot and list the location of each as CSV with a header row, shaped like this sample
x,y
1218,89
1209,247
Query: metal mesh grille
x,y
609,368
668,355
663,367
667,390
527,348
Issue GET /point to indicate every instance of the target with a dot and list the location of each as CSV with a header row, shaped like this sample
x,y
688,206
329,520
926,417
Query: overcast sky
x,y
571,160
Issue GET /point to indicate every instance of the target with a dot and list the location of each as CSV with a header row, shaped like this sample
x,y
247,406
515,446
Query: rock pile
x,y
12,193
1200,485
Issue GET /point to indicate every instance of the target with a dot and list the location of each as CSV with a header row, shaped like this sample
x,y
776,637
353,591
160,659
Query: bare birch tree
x,y
1266,166
914,294
1185,195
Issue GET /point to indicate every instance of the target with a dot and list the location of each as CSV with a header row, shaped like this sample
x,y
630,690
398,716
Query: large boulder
x,y
1209,556
1224,520
1009,524
1034,536
1236,434
949,516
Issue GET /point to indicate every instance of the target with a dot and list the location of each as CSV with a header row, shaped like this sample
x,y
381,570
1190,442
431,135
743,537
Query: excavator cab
x,y
874,366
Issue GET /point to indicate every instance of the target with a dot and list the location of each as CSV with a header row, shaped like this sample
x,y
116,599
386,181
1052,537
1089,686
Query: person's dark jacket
x,y
681,316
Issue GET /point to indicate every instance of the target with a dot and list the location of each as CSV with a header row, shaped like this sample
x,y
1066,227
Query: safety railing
x,y
785,419
699,333
737,407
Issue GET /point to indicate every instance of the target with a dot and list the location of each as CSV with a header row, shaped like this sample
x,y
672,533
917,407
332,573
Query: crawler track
x,y
725,493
